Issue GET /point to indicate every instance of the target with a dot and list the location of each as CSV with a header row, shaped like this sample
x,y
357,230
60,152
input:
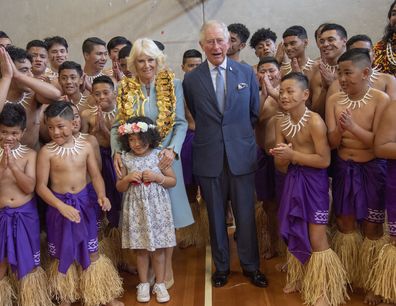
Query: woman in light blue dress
x,y
153,92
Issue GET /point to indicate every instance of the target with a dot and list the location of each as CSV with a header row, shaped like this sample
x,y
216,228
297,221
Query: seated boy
x,y
63,165
19,221
301,144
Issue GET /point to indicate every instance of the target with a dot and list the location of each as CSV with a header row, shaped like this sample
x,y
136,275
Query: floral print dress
x,y
147,221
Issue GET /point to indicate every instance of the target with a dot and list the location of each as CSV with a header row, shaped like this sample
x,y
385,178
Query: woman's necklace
x,y
352,104
292,129
62,151
16,153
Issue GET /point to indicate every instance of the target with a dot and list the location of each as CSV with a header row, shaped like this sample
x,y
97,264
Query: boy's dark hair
x,y
318,31
337,27
71,65
18,54
360,37
241,30
299,77
61,109
356,56
296,30
13,115
3,35
50,41
268,59
151,137
124,52
103,79
117,40
36,43
261,35
191,53
89,44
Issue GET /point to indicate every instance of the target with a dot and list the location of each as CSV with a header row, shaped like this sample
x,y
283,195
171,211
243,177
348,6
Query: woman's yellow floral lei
x,y
131,100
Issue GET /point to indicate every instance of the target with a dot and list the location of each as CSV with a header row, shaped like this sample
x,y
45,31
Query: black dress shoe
x,y
257,278
220,278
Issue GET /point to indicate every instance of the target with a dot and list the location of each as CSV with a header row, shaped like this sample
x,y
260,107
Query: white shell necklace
x,y
93,77
389,54
307,67
16,153
352,104
374,75
22,101
106,115
292,129
332,69
62,151
81,102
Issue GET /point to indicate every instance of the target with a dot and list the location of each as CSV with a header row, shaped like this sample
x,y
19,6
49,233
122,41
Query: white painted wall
x,y
176,22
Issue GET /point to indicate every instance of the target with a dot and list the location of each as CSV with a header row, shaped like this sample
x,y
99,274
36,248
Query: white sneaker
x,y
161,293
143,292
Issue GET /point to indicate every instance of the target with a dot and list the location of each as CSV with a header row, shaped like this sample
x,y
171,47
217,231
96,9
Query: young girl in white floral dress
x,y
147,224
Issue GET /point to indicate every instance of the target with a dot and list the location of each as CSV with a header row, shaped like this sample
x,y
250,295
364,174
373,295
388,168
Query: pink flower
x,y
135,128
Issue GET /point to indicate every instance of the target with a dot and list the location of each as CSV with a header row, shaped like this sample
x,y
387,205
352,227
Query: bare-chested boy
x,y
114,46
37,49
29,92
301,144
352,117
5,41
57,48
97,121
383,279
95,56
269,76
295,41
63,165
239,34
20,226
123,62
378,80
332,41
263,42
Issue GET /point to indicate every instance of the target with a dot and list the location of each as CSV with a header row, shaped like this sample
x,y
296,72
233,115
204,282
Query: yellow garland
x,y
131,101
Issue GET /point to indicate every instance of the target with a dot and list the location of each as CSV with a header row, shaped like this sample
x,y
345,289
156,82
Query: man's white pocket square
x,y
242,86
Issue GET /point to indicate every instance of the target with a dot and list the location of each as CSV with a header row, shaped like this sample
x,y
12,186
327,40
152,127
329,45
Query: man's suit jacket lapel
x,y
206,79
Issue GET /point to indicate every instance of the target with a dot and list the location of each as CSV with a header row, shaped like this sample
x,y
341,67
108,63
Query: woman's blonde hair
x,y
147,47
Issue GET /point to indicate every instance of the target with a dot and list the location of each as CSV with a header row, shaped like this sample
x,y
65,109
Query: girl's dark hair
x,y
151,137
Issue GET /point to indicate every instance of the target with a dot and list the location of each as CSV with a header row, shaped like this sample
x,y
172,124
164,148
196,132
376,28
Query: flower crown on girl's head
x,y
134,128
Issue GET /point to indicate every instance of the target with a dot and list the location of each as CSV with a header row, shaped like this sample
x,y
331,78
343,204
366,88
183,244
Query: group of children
x,y
328,117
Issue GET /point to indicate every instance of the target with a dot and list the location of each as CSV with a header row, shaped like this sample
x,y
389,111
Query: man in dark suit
x,y
223,98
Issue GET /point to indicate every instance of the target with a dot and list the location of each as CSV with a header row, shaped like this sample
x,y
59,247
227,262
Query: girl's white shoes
x,y
143,293
161,293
